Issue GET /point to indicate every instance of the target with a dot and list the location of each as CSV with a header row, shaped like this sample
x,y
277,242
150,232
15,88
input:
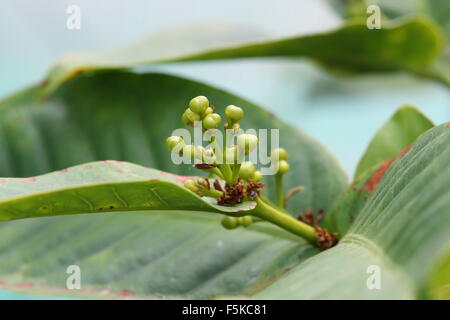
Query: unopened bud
x,y
233,113
247,142
247,170
173,141
283,167
212,121
230,222
199,105
279,154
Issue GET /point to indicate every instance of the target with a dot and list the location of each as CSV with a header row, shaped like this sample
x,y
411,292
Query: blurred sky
x,y
343,113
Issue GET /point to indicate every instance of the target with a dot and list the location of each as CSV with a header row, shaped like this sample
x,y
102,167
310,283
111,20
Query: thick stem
x,y
279,188
236,169
216,172
224,168
283,220
226,172
213,193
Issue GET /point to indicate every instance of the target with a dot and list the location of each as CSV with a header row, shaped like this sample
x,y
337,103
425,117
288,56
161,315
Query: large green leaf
x,y
126,116
402,129
150,254
104,186
392,140
403,229
406,45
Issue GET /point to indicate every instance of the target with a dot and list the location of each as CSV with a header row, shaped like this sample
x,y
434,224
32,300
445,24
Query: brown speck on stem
x,y
217,186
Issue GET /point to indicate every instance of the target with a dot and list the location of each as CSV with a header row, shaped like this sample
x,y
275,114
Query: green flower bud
x,y
279,154
229,222
209,156
245,221
283,167
190,117
199,151
186,120
191,185
234,113
189,151
257,176
209,110
247,170
173,141
247,142
212,121
199,104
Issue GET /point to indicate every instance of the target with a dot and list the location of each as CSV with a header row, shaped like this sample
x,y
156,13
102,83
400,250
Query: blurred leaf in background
x,y
437,10
410,45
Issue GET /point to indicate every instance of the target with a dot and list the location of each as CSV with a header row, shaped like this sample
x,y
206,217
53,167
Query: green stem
x,y
213,193
216,172
283,220
224,168
226,172
279,188
236,169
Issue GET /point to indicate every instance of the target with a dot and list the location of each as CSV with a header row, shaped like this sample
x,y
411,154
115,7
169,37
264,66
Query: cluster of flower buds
x,y
248,171
234,115
200,110
232,180
190,151
280,156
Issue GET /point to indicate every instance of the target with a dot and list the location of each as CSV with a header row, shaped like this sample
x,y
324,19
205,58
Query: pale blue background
x,y
343,113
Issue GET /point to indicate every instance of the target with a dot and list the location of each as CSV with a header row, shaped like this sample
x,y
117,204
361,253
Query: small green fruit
x,y
279,154
199,105
189,151
230,222
257,176
209,110
173,141
283,167
186,120
245,221
247,142
234,113
190,117
247,170
212,121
